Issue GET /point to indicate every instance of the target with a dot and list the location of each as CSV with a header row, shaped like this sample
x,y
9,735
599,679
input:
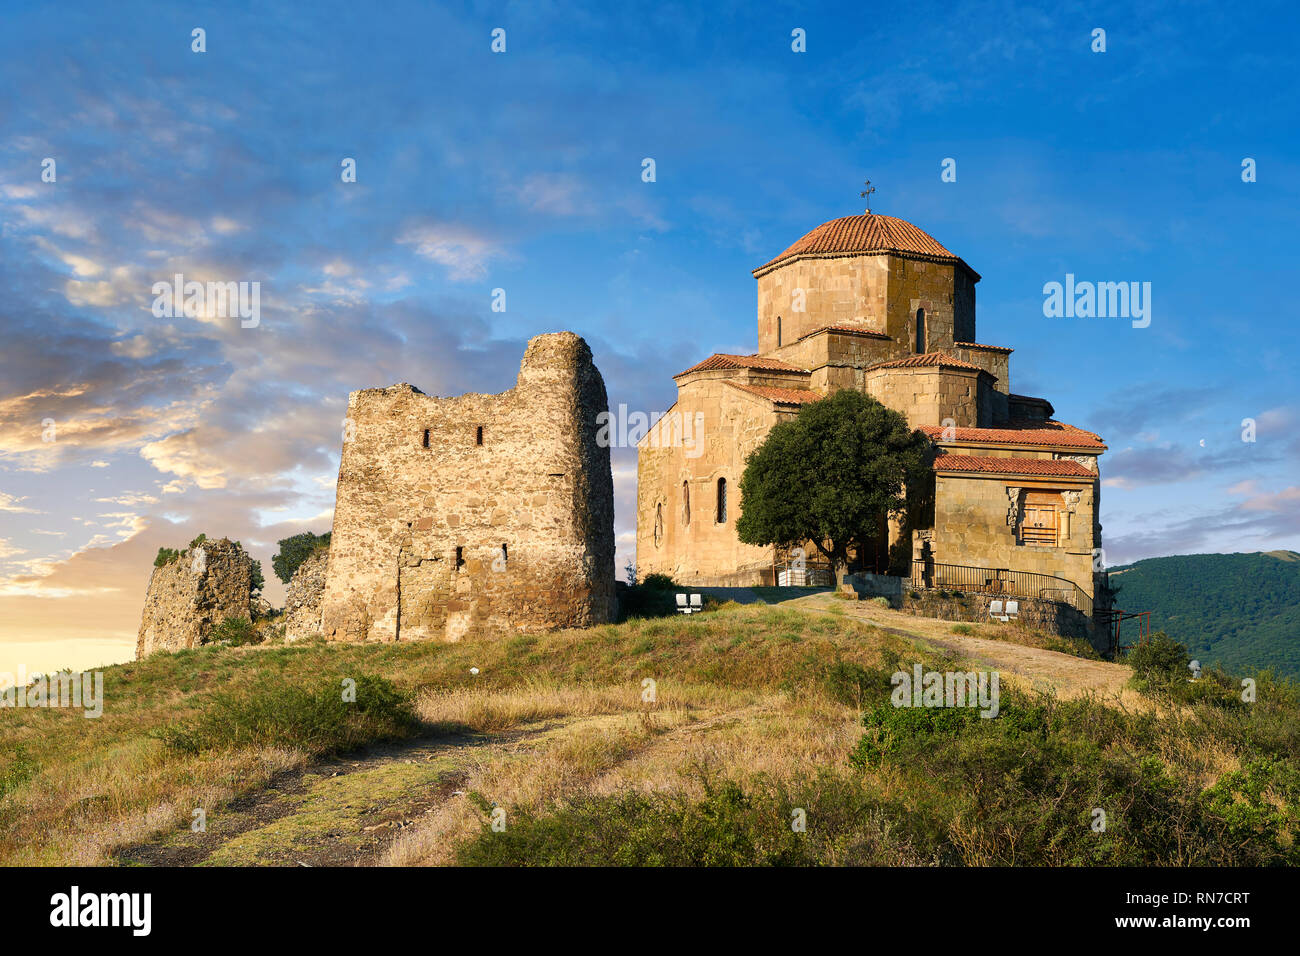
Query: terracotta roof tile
x,y
976,345
929,360
718,360
1024,432
1013,466
855,235
846,329
781,396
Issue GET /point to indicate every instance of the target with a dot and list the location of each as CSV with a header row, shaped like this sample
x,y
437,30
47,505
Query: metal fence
x,y
999,581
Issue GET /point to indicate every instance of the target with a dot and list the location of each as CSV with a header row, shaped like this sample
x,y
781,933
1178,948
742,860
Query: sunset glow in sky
x,y
522,171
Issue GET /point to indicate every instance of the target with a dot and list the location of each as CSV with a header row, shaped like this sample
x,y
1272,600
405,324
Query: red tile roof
x,y
781,396
976,345
855,235
718,360
1024,432
846,329
929,360
1012,466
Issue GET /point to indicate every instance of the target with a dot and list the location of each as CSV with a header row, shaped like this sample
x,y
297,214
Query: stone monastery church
x,y
876,304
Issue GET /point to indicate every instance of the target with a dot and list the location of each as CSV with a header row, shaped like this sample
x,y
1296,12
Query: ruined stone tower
x,y
491,512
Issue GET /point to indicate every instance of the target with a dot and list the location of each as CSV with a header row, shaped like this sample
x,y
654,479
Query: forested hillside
x,y
1239,610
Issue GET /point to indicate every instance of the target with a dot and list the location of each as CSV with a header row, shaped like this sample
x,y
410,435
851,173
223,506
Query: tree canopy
x,y
831,474
294,551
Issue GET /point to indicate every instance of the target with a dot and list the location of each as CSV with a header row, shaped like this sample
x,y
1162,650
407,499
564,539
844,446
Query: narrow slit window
x,y
686,502
460,558
505,556
778,331
920,331
478,435
426,438
722,501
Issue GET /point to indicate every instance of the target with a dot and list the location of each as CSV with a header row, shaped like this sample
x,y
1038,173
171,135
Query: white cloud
x,y
462,251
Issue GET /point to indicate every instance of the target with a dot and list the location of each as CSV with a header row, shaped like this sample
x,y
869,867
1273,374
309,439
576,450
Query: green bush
x,y
1161,657
881,601
165,557
734,824
316,719
17,771
963,629
852,684
234,631
1021,788
651,598
294,551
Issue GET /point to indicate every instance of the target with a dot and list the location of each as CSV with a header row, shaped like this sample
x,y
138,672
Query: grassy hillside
x,y
1241,611
671,741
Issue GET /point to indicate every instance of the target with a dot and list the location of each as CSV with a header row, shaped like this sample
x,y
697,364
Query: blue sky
x,y
522,171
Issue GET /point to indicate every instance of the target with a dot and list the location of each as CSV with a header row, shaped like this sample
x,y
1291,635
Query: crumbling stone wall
x,y
475,513
302,598
194,593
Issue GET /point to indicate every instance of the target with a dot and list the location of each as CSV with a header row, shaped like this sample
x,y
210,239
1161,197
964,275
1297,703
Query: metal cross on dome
x,y
866,193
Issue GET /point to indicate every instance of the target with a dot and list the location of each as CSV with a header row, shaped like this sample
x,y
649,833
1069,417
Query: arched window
x,y
686,502
659,524
722,501
920,331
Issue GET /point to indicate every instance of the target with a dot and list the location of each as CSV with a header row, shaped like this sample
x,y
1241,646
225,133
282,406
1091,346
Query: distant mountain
x,y
1238,610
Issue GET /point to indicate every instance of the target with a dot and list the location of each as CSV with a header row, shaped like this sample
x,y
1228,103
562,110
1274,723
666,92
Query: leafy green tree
x,y
830,475
295,550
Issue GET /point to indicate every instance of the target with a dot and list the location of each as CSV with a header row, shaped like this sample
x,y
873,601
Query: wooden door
x,y
1039,524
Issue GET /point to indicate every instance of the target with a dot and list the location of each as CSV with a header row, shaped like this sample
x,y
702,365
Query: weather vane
x,y
866,193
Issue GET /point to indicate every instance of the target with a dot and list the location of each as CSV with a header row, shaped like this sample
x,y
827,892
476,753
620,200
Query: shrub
x,y
881,601
851,683
198,541
963,629
1020,788
658,582
234,631
316,719
165,557
1160,657
18,771
294,551
736,823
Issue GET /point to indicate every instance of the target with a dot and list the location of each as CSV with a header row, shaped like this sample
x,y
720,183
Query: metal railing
x,y
932,576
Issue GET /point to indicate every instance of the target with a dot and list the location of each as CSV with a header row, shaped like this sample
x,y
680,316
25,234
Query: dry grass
x,y
605,741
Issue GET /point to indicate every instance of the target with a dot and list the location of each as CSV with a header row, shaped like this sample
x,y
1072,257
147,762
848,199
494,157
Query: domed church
x,y
876,304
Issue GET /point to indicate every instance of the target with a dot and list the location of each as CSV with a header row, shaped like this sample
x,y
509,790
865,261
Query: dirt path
x,y
1067,675
350,811
342,811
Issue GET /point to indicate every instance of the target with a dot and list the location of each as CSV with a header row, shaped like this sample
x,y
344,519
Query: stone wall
x,y
975,521
1050,616
188,597
475,513
693,547
929,396
302,599
847,290
876,585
